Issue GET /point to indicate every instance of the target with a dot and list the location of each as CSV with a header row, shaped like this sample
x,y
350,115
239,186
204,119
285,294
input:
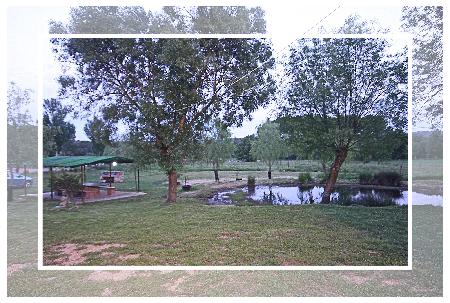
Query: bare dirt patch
x,y
128,257
356,279
391,282
12,268
172,286
102,276
106,292
75,254
428,187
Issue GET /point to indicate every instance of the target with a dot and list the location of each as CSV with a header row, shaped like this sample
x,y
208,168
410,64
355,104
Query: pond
x,y
343,195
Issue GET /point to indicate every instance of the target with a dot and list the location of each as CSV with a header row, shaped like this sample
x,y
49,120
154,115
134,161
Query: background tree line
x,y
426,145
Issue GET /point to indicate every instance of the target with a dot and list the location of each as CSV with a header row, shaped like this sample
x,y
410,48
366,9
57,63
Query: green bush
x,y
321,177
291,169
365,178
304,178
389,178
68,183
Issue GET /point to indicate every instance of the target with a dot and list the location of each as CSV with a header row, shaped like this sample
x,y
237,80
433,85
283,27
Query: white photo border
x,y
46,37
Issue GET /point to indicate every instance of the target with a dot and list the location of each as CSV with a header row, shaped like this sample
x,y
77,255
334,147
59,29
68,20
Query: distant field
x,y
427,169
285,169
426,173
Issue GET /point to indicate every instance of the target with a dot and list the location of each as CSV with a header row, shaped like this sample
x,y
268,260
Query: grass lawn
x,y
189,233
23,279
147,231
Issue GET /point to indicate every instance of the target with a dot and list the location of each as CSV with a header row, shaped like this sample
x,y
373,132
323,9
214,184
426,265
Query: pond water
x,y
343,195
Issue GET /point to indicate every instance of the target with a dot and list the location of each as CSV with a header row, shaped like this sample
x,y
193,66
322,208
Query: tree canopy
x,y
338,84
268,145
170,20
57,130
100,133
167,90
426,25
22,130
219,146
243,147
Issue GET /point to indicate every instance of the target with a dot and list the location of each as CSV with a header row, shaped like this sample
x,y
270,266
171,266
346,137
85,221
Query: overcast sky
x,y
284,23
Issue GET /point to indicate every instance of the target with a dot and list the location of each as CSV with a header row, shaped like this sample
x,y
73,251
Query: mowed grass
x,y
425,279
192,233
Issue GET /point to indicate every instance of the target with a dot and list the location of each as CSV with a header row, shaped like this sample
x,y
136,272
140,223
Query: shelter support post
x,y
51,182
26,183
138,181
110,174
135,179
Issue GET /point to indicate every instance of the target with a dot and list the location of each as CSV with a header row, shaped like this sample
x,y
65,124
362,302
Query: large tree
x,y
219,146
168,20
57,129
425,23
100,133
167,90
268,145
339,82
22,130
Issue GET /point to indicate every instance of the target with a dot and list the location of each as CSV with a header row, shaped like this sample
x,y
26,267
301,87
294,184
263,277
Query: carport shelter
x,y
82,161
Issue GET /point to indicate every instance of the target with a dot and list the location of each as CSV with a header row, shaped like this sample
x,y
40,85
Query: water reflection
x,y
344,195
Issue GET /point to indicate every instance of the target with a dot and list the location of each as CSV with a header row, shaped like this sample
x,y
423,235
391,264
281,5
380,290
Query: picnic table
x,y
91,190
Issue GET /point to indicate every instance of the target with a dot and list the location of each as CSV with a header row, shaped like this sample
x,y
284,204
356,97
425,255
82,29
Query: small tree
x,y
69,184
57,130
219,147
268,146
243,147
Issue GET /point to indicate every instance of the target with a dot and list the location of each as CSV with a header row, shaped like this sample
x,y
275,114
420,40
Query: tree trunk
x,y
172,190
334,172
269,174
324,168
216,175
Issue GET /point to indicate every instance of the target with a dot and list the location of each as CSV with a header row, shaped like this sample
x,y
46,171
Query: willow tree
x,y
425,23
338,84
167,90
219,147
268,145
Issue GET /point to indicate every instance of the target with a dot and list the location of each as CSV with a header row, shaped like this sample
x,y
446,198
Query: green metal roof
x,y
74,161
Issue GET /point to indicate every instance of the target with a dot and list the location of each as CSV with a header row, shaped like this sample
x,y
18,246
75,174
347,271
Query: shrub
x,y
251,181
68,183
321,177
389,178
365,178
291,169
304,178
